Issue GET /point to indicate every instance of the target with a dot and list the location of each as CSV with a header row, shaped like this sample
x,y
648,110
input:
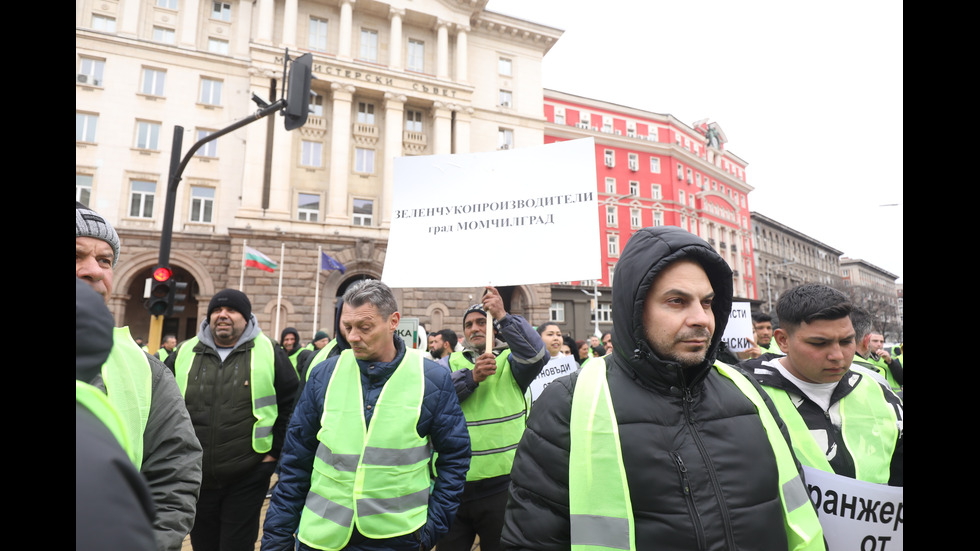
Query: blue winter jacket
x,y
441,419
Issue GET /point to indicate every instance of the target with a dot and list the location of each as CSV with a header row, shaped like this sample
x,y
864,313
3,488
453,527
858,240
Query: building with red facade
x,y
651,170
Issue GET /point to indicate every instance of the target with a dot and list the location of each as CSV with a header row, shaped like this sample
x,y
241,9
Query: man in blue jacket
x,y
356,470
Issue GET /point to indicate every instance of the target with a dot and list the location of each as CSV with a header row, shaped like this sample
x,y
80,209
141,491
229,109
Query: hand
x,y
750,353
884,355
269,459
493,303
485,366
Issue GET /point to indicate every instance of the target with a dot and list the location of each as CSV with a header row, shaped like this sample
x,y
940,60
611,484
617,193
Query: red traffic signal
x,y
162,273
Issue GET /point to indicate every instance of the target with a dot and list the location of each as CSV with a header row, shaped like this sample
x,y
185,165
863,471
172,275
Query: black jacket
x,y
701,472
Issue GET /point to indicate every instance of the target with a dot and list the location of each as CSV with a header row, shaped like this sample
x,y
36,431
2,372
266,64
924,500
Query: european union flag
x,y
327,262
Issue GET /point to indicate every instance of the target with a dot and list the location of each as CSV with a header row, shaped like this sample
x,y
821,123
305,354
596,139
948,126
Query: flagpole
x,y
241,278
316,295
282,257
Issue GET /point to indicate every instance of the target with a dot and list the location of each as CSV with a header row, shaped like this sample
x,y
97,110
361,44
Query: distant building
x,y
652,170
874,289
786,258
391,79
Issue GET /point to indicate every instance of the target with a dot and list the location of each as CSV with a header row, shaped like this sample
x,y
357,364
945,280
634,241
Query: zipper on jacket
x,y
692,507
726,519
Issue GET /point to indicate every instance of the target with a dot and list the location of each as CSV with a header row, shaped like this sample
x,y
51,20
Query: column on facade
x,y
243,29
464,116
129,18
462,55
346,29
442,124
188,17
340,133
395,43
394,114
442,49
289,23
267,16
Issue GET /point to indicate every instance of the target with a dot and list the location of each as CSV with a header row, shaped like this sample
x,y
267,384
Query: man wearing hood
x,y
240,390
289,340
657,444
491,388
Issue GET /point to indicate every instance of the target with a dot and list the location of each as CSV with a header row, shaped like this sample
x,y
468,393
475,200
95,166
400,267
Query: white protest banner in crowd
x,y
557,367
739,328
855,514
408,330
515,210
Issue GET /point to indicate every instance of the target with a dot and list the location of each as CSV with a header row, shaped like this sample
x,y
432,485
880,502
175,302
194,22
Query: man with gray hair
x,y
142,389
869,348
357,470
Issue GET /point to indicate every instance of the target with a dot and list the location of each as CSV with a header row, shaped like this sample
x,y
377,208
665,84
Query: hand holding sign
x,y
485,366
494,306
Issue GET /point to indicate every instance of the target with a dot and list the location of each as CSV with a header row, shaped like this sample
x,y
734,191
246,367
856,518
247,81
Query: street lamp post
x,y
595,294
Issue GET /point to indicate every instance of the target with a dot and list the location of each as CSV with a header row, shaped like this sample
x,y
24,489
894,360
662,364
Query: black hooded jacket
x,y
701,472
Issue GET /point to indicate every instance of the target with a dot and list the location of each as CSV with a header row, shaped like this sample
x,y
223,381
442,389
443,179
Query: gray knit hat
x,y
89,223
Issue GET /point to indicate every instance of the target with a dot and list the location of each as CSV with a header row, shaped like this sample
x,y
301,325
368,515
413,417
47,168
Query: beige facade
x,y
786,258
390,79
875,290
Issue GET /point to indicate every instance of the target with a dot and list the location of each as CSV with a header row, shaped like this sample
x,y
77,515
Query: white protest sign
x,y
408,330
739,328
557,367
503,215
857,515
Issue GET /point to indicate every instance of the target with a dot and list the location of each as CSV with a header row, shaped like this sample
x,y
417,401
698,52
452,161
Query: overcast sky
x,y
808,94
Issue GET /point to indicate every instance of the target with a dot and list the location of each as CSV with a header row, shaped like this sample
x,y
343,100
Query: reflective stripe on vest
x,y
376,477
599,502
869,428
496,415
321,355
98,403
129,387
262,377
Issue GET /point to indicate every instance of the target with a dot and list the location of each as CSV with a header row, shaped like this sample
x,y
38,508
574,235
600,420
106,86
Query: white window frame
x,y
83,188
505,66
658,218
153,81
311,153
210,92
365,112
221,11
681,198
141,200
505,98
655,165
634,162
634,188
210,149
303,212
636,217
505,138
415,55
85,126
167,4
103,23
316,104
164,35
609,156
147,135
364,160
655,192
362,219
611,185
557,312
612,216
559,115
368,50
317,37
611,270
604,311
202,205
218,46
413,120
93,69
612,244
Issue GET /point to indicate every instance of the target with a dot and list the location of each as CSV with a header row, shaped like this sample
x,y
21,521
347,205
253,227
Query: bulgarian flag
x,y
255,259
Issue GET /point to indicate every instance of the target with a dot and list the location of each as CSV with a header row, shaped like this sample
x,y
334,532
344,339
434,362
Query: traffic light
x,y
161,291
298,91
178,294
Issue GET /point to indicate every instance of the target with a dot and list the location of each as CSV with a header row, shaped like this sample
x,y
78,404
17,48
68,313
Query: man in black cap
x,y
491,387
240,390
142,390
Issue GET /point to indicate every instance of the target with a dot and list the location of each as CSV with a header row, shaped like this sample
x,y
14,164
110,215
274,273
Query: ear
x,y
782,338
393,321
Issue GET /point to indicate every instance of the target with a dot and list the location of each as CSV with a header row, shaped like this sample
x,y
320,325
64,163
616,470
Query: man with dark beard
x,y
656,443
